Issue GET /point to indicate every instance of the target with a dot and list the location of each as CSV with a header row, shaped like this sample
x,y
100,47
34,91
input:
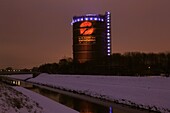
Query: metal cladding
x,y
91,37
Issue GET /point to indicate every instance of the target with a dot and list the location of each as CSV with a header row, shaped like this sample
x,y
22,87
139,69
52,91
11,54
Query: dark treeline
x,y
10,70
132,63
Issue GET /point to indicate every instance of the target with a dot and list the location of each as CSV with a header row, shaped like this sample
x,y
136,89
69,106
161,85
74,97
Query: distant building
x,y
91,37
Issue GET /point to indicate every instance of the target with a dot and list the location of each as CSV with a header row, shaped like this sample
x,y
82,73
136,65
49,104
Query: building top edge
x,y
87,15
90,17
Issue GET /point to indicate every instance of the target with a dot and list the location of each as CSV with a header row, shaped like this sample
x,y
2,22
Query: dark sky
x,y
34,32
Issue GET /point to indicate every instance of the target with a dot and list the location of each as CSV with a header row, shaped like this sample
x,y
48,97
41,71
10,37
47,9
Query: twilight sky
x,y
34,32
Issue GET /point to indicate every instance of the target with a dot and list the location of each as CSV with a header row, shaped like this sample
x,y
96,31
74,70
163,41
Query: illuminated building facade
x,y
91,37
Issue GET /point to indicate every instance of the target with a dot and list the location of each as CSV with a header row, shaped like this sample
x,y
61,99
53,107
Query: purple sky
x,y
34,32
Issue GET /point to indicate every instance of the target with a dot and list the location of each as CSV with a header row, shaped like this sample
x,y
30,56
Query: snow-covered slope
x,y
20,100
145,92
48,105
20,76
12,101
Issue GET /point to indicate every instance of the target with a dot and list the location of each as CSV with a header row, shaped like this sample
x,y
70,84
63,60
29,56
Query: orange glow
x,y
86,24
87,28
87,39
86,31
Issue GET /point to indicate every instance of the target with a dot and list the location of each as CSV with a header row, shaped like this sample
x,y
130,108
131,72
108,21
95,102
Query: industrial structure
x,y
91,37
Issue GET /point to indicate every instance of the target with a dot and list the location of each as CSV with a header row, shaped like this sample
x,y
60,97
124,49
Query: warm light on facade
x,y
91,36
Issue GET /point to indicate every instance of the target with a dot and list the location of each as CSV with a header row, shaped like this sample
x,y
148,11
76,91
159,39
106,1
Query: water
x,y
81,103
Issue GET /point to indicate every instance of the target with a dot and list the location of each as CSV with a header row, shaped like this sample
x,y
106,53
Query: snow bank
x,y
20,76
144,92
20,100
48,105
12,101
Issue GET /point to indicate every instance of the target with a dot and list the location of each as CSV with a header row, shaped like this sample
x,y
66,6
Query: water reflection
x,y
110,110
74,103
84,106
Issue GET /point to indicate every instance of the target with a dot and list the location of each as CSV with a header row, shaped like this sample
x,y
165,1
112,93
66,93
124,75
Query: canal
x,y
81,103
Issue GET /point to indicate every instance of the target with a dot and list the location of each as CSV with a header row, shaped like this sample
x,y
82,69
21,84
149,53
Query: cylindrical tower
x,y
91,37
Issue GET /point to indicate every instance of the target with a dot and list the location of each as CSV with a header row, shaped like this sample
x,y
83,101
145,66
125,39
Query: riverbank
x,y
13,101
48,105
20,100
150,93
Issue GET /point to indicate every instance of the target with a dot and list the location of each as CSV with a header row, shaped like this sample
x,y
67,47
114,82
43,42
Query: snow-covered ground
x,y
20,76
12,101
144,92
20,100
48,105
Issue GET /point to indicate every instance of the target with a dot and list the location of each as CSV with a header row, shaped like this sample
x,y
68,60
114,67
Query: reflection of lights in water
x,y
86,107
19,83
16,83
110,110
